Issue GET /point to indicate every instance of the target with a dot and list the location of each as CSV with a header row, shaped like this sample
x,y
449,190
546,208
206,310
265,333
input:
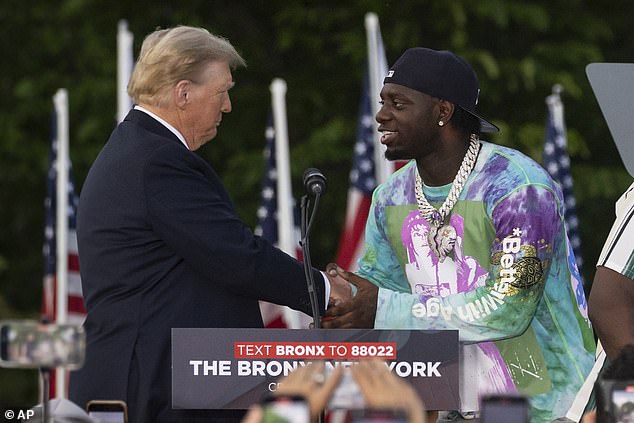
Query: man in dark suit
x,y
160,243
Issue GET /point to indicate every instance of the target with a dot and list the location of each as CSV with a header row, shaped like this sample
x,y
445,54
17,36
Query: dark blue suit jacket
x,y
161,246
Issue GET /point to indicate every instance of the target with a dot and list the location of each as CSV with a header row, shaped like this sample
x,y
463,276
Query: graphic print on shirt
x,y
427,275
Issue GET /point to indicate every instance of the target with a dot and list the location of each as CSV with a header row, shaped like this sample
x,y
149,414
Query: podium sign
x,y
234,368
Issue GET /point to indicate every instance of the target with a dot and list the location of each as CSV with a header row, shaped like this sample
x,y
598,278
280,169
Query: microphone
x,y
315,184
314,181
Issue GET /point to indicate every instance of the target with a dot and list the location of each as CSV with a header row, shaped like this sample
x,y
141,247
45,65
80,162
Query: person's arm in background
x,y
611,309
611,301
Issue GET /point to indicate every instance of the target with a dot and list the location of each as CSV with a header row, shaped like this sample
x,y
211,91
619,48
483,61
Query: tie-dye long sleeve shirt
x,y
511,286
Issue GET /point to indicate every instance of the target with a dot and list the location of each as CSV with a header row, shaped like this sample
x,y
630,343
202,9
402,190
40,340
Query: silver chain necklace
x,y
442,236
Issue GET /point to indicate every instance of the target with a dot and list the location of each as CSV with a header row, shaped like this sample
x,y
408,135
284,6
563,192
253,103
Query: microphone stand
x,y
45,380
45,373
305,226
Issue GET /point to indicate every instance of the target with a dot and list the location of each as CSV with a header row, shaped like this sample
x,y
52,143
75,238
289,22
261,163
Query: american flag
x,y
369,167
76,309
557,162
362,184
267,212
275,316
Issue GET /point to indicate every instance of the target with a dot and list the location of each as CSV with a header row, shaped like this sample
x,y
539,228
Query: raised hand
x,y
311,383
382,389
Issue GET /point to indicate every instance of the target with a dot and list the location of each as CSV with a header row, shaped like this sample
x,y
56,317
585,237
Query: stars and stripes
x,y
557,162
362,174
76,309
369,166
273,315
362,184
267,212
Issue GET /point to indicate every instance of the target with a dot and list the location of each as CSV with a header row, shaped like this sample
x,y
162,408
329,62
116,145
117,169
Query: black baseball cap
x,y
440,74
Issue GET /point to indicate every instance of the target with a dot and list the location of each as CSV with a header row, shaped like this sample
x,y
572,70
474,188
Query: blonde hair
x,y
171,55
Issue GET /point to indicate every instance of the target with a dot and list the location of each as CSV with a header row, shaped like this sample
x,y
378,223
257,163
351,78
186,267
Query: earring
x,y
441,123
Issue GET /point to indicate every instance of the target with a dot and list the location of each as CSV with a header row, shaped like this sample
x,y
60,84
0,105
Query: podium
x,y
221,368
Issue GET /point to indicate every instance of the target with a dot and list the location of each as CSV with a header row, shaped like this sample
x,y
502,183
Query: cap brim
x,y
485,126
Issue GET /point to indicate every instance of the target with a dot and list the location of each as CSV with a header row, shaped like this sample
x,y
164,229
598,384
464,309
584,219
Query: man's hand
x,y
359,311
311,383
340,289
383,389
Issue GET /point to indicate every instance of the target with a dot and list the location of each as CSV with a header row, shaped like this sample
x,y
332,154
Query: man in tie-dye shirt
x,y
498,267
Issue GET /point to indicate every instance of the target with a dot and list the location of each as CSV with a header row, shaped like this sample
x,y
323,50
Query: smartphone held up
x,y
615,401
30,344
107,411
285,409
504,409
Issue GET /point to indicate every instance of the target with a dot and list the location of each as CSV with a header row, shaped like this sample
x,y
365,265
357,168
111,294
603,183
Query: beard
x,y
393,155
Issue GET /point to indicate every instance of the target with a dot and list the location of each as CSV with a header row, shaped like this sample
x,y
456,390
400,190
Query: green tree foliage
x,y
519,49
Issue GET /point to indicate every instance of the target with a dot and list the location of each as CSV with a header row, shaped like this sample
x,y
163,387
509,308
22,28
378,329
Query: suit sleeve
x,y
526,223
191,211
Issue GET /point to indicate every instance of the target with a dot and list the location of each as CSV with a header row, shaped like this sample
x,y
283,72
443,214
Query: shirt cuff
x,y
327,288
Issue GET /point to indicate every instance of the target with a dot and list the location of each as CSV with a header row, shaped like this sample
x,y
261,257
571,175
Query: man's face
x,y
407,121
208,99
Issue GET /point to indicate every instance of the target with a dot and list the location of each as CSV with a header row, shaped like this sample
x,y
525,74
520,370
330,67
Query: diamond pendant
x,y
442,240
435,218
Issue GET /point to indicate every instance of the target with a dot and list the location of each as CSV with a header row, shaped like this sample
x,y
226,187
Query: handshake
x,y
304,394
352,302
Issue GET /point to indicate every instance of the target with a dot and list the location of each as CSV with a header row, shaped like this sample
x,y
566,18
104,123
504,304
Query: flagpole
x,y
125,63
284,194
285,218
61,231
377,68
557,108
